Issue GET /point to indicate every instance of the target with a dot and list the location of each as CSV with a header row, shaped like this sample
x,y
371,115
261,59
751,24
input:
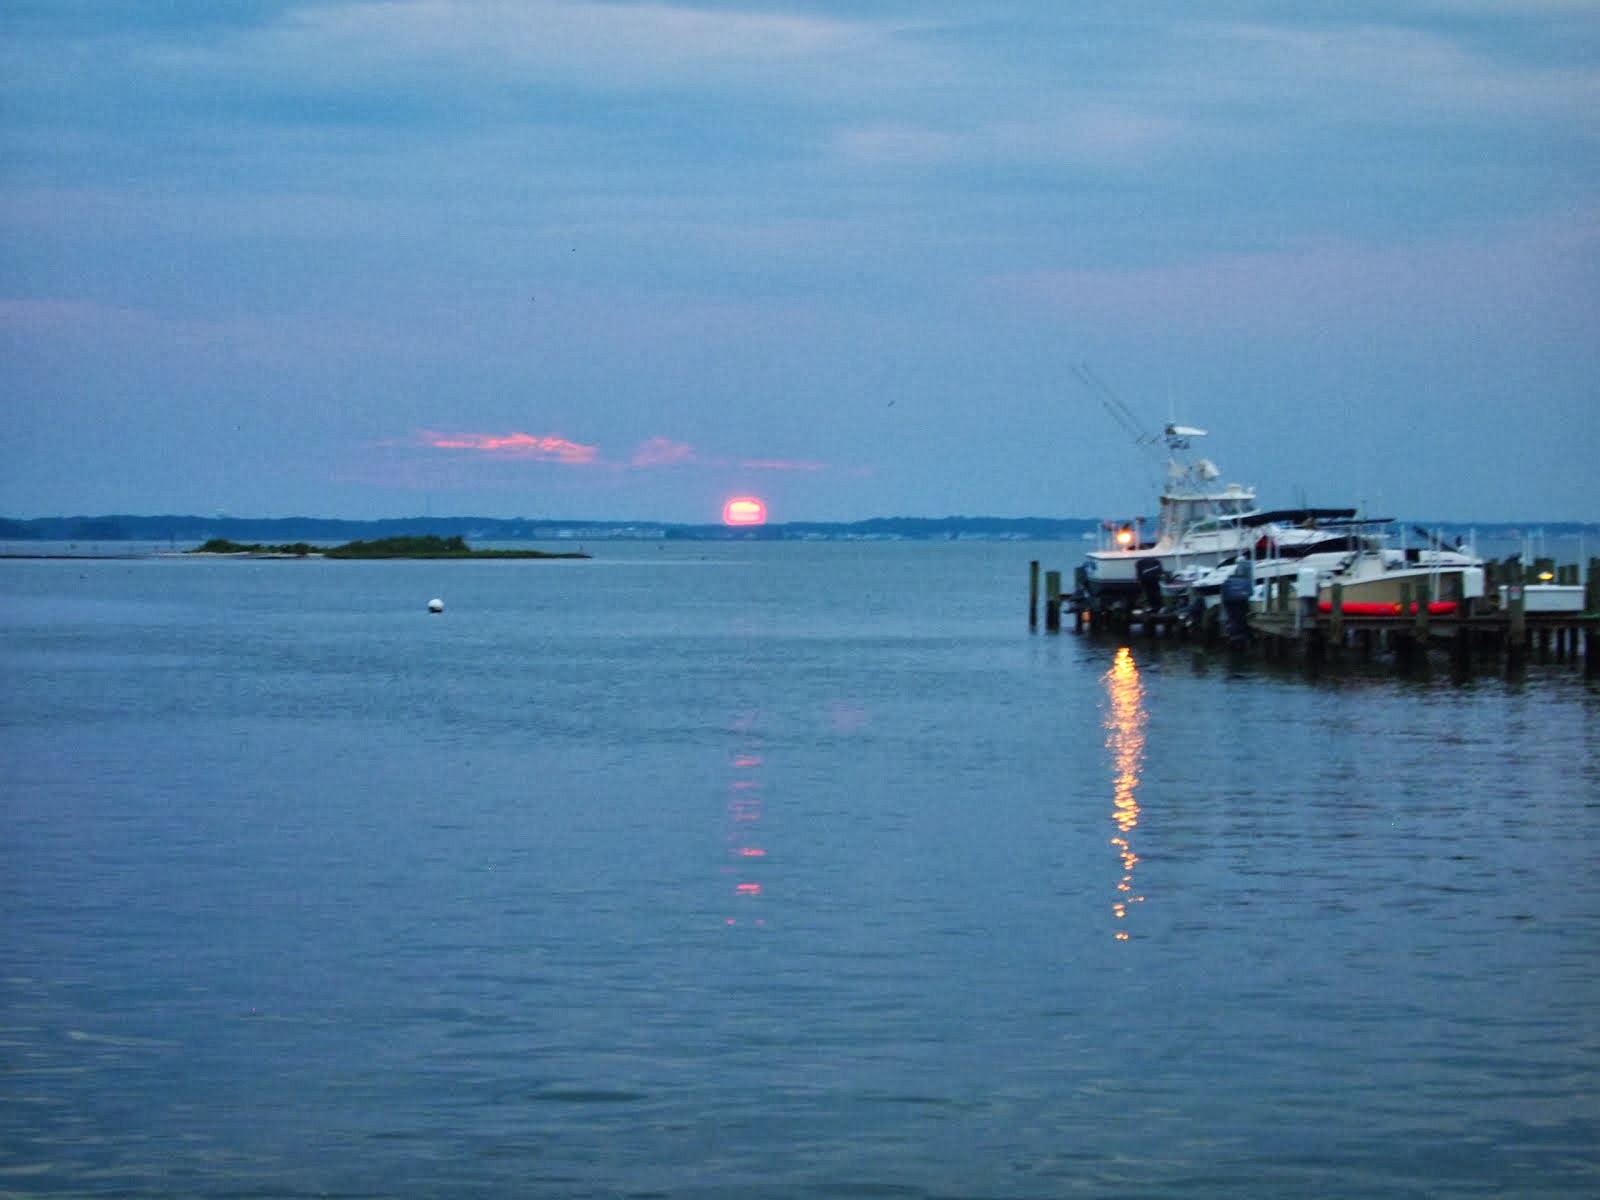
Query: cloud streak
x,y
552,448
627,46
540,447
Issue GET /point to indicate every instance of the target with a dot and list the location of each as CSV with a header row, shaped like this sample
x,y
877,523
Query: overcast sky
x,y
623,260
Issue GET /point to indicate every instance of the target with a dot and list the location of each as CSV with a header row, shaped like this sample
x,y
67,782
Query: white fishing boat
x,y
1196,526
1352,562
1200,523
1320,541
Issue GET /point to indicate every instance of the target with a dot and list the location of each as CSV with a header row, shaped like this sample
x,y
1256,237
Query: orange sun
x,y
744,510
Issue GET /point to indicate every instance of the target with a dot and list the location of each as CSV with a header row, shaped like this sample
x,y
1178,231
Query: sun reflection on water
x,y
744,816
1125,721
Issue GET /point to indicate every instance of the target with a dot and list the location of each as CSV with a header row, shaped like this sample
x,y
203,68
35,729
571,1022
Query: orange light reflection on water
x,y
1124,723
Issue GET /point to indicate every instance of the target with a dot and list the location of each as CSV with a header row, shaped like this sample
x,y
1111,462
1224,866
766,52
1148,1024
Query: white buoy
x,y
436,605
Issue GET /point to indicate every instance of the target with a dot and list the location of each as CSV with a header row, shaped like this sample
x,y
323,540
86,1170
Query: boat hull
x,y
1114,573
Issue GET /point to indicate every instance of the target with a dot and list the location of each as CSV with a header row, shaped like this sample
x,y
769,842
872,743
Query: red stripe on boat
x,y
1372,608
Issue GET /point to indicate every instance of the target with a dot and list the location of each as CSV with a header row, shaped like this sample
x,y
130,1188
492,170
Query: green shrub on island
x,y
431,546
224,546
427,546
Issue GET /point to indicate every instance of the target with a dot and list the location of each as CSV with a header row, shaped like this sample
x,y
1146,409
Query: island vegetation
x,y
433,546
426,546
224,546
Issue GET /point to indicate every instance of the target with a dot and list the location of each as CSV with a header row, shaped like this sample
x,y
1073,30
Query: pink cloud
x,y
779,464
543,447
661,452
552,448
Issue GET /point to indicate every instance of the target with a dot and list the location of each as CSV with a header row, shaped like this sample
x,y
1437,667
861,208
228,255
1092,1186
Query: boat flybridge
x,y
1200,523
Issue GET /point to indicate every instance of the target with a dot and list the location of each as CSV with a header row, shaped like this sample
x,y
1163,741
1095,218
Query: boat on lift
x,y
1358,555
1389,577
1323,540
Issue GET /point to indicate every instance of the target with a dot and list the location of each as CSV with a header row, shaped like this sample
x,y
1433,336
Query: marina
x,y
1320,585
1510,615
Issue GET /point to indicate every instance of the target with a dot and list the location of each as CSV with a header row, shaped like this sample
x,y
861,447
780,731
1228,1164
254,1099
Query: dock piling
x,y
1517,629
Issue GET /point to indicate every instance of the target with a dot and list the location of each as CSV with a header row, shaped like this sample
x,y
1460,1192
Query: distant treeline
x,y
286,531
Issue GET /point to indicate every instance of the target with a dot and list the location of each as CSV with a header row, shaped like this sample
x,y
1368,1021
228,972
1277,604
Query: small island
x,y
428,546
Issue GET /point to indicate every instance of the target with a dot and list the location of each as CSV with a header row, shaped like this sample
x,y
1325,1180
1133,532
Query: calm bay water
x,y
767,870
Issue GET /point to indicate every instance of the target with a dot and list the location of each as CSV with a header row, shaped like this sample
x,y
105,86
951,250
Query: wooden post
x,y
1336,616
1424,595
1591,644
1401,643
1517,635
1591,588
1033,594
1052,601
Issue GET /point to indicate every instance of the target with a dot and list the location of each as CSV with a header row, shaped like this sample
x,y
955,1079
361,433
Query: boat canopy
x,y
1296,516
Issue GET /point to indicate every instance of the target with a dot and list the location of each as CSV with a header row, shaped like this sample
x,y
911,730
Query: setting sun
x,y
744,510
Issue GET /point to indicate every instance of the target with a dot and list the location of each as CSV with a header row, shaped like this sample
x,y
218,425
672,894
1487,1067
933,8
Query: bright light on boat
x,y
1125,536
744,510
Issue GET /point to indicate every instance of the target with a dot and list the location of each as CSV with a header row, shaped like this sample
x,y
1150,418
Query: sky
x,y
622,261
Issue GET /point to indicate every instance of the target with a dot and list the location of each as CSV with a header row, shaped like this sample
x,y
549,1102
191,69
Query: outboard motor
x,y
1148,571
1236,589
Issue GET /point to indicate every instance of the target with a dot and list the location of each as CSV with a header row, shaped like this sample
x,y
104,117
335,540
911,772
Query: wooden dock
x,y
1471,642
1494,631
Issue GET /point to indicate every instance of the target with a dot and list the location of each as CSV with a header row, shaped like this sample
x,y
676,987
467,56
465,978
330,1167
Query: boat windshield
x,y
1205,514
